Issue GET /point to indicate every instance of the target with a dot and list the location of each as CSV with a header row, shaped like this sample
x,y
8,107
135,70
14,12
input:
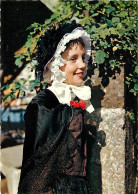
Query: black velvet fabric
x,y
48,146
71,185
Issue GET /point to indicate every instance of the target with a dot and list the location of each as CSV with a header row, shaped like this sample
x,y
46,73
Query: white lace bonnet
x,y
51,70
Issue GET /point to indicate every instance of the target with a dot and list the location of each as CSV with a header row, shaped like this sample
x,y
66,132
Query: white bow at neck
x,y
65,93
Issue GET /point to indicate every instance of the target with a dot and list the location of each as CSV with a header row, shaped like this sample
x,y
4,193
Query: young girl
x,y
55,155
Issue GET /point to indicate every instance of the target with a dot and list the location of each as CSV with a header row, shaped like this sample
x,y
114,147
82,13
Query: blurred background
x,y
16,17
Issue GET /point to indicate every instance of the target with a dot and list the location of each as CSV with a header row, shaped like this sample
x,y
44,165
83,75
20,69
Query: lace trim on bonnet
x,y
51,69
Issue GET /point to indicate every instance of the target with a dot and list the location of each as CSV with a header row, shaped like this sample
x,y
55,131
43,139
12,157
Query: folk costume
x,y
55,154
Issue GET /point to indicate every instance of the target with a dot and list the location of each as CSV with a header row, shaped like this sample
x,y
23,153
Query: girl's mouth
x,y
80,74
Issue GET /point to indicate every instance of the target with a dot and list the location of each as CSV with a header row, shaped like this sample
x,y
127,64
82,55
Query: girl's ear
x,y
62,68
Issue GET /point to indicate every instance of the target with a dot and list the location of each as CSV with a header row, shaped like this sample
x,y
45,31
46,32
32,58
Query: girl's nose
x,y
81,64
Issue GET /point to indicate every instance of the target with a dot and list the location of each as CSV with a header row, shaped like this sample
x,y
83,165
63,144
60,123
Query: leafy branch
x,y
112,26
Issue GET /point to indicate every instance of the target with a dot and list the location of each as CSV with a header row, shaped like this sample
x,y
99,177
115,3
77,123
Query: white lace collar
x,y
51,69
65,93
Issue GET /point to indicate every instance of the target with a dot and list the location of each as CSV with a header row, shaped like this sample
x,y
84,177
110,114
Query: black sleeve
x,y
44,145
34,123
43,128
37,131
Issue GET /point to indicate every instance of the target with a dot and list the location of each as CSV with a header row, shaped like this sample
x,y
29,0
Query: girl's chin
x,y
75,83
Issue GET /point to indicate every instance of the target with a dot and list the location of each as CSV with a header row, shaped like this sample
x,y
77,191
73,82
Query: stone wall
x,y
109,147
107,152
111,96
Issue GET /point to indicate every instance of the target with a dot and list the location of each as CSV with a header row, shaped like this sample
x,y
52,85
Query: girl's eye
x,y
72,59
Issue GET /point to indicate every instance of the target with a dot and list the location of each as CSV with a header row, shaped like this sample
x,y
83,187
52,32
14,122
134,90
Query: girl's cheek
x,y
72,66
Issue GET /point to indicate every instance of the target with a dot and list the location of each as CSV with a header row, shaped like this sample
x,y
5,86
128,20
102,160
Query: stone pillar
x,y
107,143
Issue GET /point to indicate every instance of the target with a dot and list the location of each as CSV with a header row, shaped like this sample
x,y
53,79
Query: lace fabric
x,y
42,170
51,69
71,185
78,131
65,93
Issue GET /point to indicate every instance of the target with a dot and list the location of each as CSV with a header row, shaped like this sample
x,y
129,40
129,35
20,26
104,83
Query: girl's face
x,y
75,65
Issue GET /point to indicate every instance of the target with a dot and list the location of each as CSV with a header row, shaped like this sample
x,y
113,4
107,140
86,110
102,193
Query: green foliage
x,y
34,83
112,26
18,89
132,116
18,60
100,56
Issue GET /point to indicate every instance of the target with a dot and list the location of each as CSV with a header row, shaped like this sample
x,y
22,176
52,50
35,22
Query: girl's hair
x,y
75,41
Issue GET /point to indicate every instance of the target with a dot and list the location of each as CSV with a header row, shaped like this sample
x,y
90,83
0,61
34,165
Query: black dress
x,y
54,156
